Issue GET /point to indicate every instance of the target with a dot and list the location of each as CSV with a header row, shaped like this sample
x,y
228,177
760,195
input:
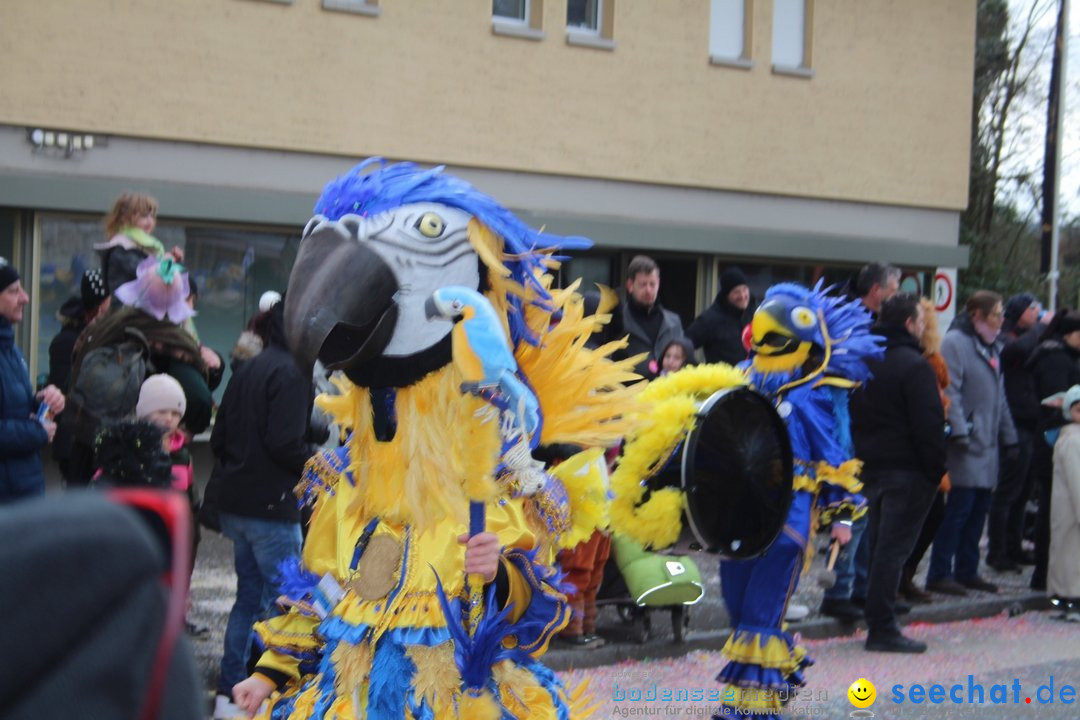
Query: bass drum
x,y
737,474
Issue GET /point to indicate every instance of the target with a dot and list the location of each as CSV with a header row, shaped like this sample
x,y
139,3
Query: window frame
x,y
805,68
601,38
529,28
745,59
370,8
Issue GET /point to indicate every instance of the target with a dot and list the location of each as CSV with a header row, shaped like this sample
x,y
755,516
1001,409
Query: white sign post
x,y
943,295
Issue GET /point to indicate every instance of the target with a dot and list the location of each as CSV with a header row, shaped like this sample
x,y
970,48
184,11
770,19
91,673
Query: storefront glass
x,y
231,268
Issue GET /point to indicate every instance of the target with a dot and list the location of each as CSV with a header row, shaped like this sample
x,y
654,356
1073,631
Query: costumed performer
x,y
808,352
378,624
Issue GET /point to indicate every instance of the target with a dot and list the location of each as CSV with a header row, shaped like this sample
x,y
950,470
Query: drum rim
x,y
688,444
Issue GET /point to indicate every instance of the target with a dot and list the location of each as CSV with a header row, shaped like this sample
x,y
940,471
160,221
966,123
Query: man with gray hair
x,y
876,283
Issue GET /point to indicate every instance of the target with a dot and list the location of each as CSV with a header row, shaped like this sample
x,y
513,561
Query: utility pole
x,y
1055,114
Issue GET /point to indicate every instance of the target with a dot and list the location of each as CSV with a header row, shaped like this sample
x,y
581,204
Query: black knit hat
x,y
130,455
1017,304
8,274
93,289
730,279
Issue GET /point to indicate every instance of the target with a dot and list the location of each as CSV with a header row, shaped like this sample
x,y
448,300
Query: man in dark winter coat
x,y
1020,334
260,443
719,328
648,327
22,432
874,284
898,427
1055,367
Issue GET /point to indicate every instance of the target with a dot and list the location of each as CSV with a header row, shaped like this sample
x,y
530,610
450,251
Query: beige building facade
x,y
779,134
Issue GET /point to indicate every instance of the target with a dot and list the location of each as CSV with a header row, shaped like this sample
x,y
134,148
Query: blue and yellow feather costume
x,y
372,627
809,350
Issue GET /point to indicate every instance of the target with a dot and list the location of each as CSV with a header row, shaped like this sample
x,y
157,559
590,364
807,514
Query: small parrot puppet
x,y
481,351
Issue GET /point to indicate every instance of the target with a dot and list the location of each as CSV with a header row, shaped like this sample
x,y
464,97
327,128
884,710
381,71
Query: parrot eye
x,y
802,318
430,225
457,305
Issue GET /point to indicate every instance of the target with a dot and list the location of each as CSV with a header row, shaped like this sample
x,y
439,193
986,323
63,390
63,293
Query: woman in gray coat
x,y
980,427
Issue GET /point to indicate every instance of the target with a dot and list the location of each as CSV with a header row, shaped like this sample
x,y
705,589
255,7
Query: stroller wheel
x,y
639,632
680,622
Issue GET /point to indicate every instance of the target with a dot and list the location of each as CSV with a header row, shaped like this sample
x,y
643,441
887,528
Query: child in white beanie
x,y
162,402
1063,577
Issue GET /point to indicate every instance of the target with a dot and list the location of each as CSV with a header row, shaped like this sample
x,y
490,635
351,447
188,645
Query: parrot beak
x,y
340,306
431,310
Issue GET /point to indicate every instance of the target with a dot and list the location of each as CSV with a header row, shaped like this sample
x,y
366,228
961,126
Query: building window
x,y
590,23
511,10
729,32
792,20
583,15
518,18
360,7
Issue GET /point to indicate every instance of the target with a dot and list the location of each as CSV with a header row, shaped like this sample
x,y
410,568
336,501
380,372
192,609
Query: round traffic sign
x,y
943,292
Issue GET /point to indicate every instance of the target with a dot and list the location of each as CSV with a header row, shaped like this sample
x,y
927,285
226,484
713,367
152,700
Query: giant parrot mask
x,y
385,237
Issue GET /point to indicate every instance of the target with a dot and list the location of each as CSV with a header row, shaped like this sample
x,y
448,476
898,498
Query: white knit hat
x,y
1072,396
269,299
160,392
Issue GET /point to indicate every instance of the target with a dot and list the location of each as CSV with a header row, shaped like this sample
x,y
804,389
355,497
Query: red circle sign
x,y
943,292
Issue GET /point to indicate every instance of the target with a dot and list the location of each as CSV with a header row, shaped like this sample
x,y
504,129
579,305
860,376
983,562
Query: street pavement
x,y
1032,655
998,639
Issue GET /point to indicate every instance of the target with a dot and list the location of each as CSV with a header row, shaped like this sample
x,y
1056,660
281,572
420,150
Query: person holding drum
x,y
808,350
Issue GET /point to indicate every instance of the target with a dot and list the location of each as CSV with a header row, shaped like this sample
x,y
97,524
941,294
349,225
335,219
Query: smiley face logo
x,y
862,693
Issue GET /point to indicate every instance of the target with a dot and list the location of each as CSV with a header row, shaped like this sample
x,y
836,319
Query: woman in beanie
x,y
23,430
719,328
75,315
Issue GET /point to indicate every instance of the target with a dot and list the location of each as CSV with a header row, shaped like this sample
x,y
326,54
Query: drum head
x,y
736,473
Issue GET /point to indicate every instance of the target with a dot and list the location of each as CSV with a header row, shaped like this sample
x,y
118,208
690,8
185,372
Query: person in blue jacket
x,y
23,432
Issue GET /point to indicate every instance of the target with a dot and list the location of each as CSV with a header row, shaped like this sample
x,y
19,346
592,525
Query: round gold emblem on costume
x,y
378,569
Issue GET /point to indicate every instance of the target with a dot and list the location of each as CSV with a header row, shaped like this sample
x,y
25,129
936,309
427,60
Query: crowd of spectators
x,y
952,432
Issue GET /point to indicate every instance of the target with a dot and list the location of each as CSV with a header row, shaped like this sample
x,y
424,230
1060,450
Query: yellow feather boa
x,y
666,411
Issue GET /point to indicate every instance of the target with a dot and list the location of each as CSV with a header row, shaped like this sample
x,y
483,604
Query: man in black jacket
x,y
898,427
649,328
719,328
1021,332
260,444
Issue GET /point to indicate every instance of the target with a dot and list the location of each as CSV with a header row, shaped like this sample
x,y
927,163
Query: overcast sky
x,y
1028,124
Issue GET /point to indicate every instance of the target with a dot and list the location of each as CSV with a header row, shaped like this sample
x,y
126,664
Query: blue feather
x,y
476,654
294,582
390,680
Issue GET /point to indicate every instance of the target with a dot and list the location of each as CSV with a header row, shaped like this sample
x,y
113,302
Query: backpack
x,y
106,388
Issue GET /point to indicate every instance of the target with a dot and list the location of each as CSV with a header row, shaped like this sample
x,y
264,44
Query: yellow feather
x,y
584,476
666,411
478,706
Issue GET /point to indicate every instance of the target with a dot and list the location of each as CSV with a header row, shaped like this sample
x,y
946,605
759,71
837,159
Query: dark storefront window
x,y
231,267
